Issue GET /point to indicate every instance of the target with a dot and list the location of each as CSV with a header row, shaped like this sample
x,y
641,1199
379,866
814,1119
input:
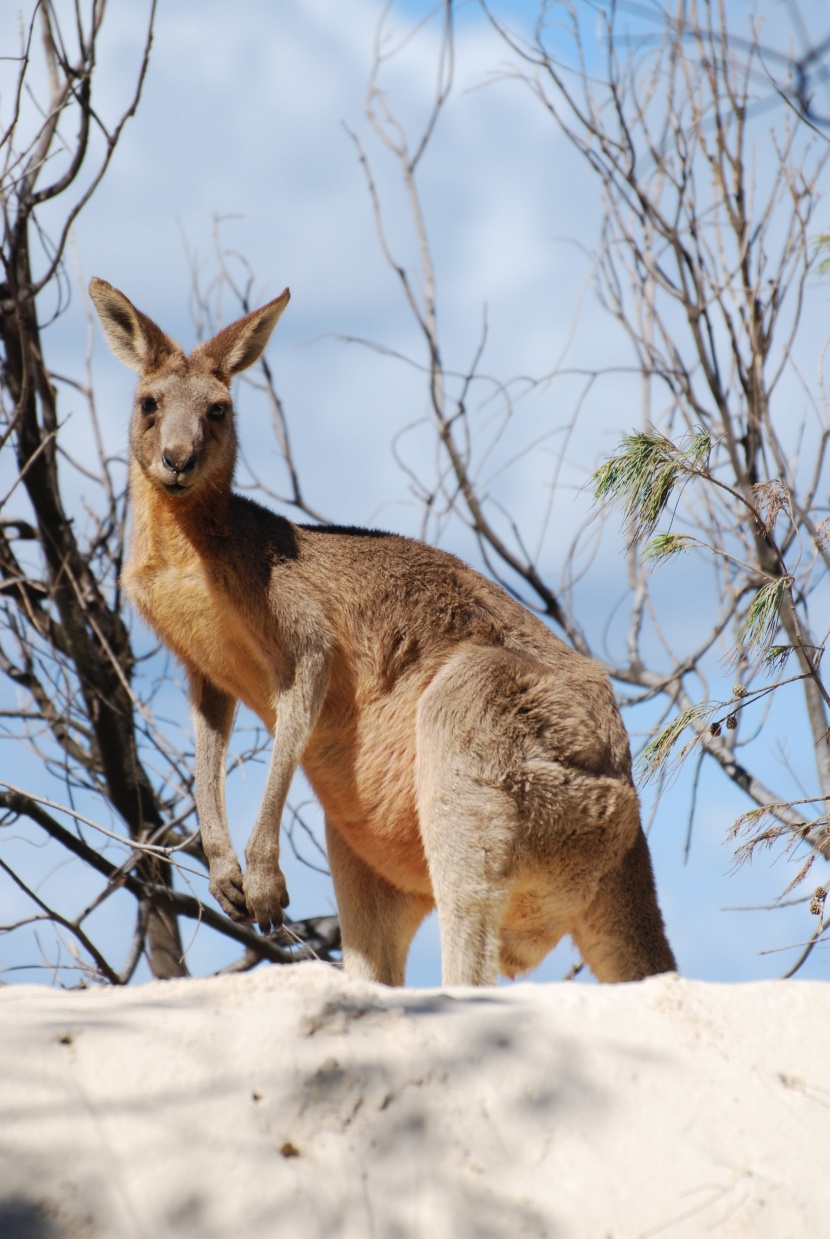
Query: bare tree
x,y
703,261
84,704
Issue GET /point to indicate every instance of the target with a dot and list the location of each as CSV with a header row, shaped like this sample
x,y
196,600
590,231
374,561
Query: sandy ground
x,y
292,1102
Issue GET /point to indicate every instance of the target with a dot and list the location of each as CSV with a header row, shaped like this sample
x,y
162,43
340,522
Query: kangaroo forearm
x,y
212,712
297,711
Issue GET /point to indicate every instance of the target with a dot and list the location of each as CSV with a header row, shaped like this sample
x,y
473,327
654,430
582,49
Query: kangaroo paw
x,y
227,889
265,896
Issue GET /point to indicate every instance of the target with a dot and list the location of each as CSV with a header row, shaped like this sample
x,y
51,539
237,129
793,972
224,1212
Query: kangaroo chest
x,y
199,620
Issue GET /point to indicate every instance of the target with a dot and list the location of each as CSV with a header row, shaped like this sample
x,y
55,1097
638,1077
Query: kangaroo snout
x,y
177,460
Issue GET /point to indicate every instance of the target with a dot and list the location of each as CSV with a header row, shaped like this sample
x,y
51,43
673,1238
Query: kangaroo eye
x,y
216,412
147,404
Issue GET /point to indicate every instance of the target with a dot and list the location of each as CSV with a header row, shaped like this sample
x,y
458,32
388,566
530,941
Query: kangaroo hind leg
x,y
377,921
468,821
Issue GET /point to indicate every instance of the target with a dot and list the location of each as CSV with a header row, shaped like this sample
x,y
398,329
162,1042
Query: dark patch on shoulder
x,y
351,531
263,539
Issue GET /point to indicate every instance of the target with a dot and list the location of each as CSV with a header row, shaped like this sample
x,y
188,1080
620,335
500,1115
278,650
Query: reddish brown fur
x,y
463,755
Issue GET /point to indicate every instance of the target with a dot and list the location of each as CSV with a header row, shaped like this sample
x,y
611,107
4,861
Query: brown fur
x,y
464,756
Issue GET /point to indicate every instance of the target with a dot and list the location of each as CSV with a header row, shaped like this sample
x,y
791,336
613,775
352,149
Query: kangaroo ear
x,y
242,343
133,337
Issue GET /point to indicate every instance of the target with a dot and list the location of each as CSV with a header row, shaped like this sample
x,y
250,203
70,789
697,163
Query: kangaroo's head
x,y
182,433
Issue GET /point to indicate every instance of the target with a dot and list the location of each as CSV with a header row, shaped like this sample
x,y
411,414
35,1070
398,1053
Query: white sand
x,y
295,1103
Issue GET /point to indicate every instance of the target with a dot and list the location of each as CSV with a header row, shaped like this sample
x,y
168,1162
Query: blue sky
x,y
244,121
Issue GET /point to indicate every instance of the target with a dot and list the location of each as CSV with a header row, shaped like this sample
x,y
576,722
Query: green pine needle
x,y
663,545
776,658
643,475
658,750
761,620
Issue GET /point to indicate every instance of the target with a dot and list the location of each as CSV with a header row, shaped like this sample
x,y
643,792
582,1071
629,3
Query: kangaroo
x,y
464,756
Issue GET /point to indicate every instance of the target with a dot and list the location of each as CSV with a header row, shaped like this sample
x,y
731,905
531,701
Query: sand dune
x,y
292,1102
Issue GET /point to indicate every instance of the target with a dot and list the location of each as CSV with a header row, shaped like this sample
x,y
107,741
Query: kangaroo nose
x,y
173,464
